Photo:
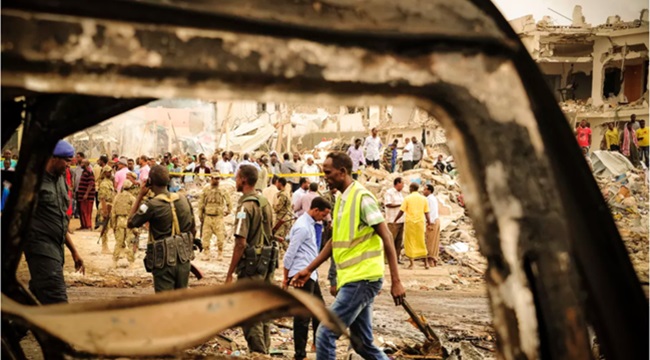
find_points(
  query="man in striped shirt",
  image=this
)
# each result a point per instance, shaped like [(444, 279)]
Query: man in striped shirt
[(86, 195)]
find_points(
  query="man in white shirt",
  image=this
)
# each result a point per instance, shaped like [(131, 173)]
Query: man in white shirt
[(224, 166), (393, 199), (247, 161), (189, 169), (433, 229), (311, 168), (297, 161), (372, 146), (407, 155)]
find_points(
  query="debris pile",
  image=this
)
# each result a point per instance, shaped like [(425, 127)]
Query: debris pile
[(459, 245), (627, 197)]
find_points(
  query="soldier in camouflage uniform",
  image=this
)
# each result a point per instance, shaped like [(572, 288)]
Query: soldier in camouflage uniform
[(106, 195), (119, 217), (135, 190), (283, 213), (214, 203)]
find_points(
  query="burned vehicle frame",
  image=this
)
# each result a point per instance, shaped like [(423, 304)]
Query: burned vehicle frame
[(556, 262)]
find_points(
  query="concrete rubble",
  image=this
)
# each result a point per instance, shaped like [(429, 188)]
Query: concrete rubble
[(627, 196)]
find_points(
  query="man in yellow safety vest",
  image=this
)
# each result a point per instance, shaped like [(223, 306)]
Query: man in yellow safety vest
[(360, 237)]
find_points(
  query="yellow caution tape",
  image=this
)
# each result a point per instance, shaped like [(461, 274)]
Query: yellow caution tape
[(233, 175)]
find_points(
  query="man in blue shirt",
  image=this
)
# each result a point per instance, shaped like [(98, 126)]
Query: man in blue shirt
[(302, 250)]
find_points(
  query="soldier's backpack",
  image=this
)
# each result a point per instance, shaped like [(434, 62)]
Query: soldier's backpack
[(262, 258)]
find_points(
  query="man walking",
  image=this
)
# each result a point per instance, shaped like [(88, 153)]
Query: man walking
[(440, 164), (76, 179), (202, 169), (288, 167), (252, 235), (644, 141), (97, 171), (416, 208), (311, 168), (144, 169), (48, 232), (372, 147), (433, 229), (393, 160), (612, 138), (297, 195), (120, 175), (393, 200), (106, 195), (356, 154), (171, 224), (263, 176), (305, 200), (630, 144), (119, 218), (275, 164), (418, 151), (297, 162), (407, 155), (359, 259), (635, 125), (283, 211), (583, 135), (270, 192), (301, 252), (387, 159), (223, 165), (86, 195), (214, 204)]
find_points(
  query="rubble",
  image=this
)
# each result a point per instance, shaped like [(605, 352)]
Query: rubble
[(627, 197), (458, 242)]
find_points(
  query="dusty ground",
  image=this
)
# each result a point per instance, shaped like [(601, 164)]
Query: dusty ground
[(451, 296), (458, 310)]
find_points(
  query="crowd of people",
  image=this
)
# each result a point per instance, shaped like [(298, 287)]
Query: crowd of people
[(633, 140), (293, 213)]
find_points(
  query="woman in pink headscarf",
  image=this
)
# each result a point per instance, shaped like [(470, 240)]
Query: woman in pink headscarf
[(630, 145)]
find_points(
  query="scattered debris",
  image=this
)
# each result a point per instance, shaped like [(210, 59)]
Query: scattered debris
[(627, 197)]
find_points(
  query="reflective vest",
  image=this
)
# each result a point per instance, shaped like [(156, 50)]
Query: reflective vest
[(358, 254)]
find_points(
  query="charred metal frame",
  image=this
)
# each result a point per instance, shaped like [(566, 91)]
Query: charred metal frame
[(555, 258)]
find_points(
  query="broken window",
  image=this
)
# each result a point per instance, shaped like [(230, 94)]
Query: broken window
[(612, 82), (573, 50), (581, 86), (554, 83)]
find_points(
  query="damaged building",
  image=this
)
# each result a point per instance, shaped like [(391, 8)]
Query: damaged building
[(598, 73)]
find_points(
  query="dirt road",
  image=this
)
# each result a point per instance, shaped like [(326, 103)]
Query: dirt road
[(451, 297)]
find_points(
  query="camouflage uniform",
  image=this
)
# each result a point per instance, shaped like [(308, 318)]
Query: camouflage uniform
[(106, 194), (119, 217), (212, 203), (135, 191), (283, 212)]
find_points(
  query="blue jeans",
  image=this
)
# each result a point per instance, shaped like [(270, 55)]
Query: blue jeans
[(353, 305)]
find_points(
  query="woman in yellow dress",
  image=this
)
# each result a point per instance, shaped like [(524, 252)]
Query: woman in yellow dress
[(416, 208)]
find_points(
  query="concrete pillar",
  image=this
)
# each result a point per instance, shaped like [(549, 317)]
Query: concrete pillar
[(601, 46)]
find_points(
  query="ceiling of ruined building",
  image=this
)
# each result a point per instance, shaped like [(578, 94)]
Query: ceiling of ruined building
[(381, 17)]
